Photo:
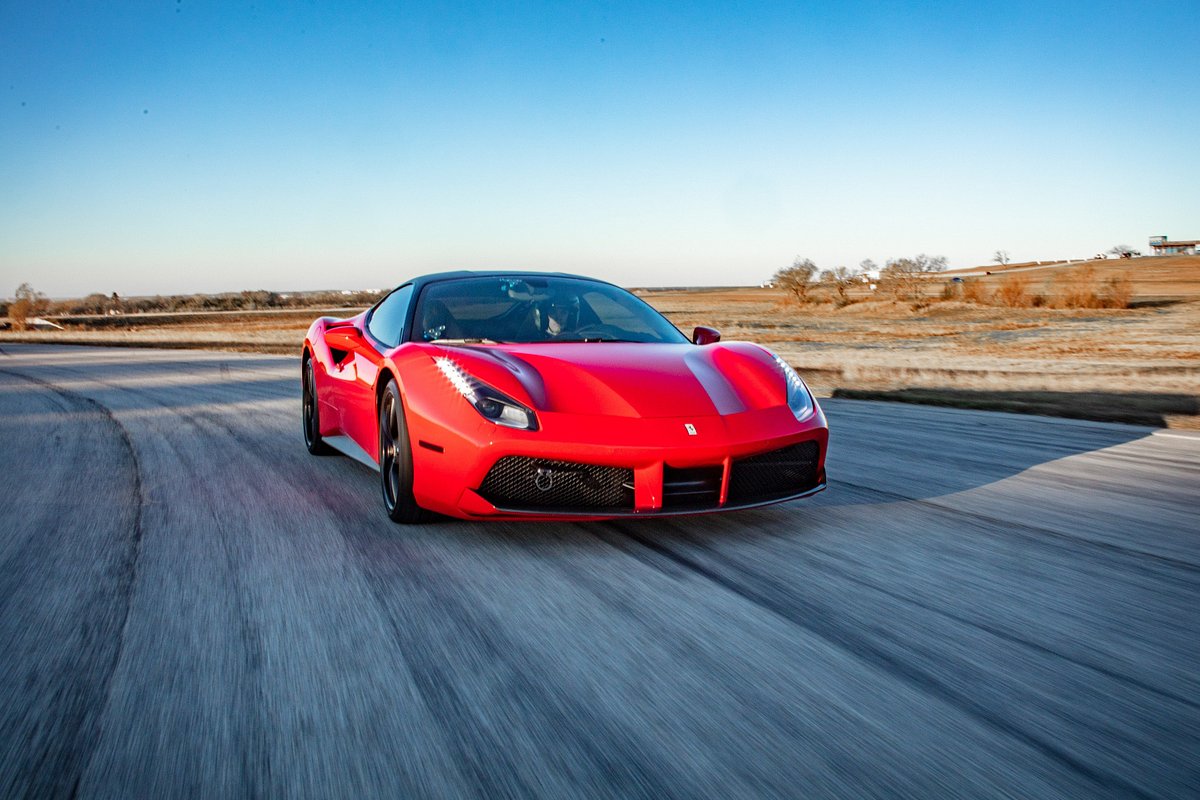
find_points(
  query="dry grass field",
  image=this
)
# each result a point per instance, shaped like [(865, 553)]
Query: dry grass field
[(1155, 278), (1140, 364), (278, 332)]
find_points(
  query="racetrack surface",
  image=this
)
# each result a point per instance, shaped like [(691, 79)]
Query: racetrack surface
[(981, 605)]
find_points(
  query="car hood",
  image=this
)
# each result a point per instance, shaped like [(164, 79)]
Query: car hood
[(632, 380)]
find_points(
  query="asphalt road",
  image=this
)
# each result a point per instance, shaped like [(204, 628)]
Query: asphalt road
[(982, 605)]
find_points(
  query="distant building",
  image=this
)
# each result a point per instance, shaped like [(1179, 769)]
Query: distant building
[(1162, 246)]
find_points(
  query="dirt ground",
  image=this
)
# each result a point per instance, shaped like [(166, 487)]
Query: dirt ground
[(1154, 277)]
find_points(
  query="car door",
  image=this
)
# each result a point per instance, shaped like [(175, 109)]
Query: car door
[(384, 327)]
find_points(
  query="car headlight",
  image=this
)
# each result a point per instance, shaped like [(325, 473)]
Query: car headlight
[(492, 404), (798, 398)]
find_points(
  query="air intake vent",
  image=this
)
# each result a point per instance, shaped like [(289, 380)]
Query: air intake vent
[(521, 482), (778, 473), (693, 487)]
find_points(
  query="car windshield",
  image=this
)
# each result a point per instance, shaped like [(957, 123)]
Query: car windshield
[(536, 309)]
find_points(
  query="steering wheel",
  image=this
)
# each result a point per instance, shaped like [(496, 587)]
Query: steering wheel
[(597, 331)]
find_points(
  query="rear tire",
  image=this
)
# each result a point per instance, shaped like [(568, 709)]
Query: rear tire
[(395, 460), (311, 412)]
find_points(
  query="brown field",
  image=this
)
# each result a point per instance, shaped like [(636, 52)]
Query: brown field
[(987, 355), (273, 331), (1156, 278), (1140, 364)]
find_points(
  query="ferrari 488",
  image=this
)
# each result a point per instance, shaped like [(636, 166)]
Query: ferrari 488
[(503, 394)]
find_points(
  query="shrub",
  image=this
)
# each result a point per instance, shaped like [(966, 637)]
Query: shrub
[(1077, 288), (1117, 291), (1013, 291), (974, 292), (28, 303), (838, 281)]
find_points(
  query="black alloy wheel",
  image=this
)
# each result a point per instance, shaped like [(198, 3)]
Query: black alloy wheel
[(395, 459), (311, 413)]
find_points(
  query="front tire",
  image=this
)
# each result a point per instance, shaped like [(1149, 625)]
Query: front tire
[(395, 459), (311, 412)]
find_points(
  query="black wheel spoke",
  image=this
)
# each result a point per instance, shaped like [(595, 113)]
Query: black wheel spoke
[(308, 404), (310, 410), (394, 481), (393, 426), (387, 455), (395, 459)]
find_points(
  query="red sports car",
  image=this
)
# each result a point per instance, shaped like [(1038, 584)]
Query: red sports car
[(505, 394)]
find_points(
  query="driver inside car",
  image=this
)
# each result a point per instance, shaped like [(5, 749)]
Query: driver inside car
[(555, 316), (561, 314)]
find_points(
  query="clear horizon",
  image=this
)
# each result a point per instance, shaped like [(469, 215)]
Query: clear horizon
[(178, 148)]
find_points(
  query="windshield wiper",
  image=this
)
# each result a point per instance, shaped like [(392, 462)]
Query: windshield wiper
[(466, 341), (596, 339)]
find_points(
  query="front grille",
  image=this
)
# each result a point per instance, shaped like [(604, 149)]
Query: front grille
[(775, 474), (693, 487), (522, 482)]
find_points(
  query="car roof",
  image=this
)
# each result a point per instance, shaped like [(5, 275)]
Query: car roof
[(436, 277)]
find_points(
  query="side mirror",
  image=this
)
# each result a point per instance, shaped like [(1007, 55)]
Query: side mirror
[(344, 338), (703, 334)]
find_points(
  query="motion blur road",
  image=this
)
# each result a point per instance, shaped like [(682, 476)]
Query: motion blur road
[(981, 605)]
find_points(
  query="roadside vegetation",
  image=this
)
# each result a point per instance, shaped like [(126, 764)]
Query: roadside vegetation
[(27, 305), (32, 303), (1112, 339), (1077, 287), (918, 280)]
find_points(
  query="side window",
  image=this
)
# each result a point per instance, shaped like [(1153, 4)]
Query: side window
[(387, 321)]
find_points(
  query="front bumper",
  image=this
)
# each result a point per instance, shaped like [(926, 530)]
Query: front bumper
[(666, 466)]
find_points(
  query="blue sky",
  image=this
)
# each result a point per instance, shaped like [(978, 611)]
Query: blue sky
[(160, 147)]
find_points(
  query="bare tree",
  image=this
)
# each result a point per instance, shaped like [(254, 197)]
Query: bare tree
[(797, 278), (28, 303), (906, 277), (1123, 251), (94, 303), (839, 280), (1001, 257)]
